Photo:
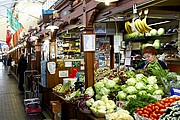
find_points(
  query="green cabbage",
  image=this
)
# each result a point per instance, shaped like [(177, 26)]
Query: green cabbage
[(140, 86), (89, 91), (110, 83), (130, 90), (104, 91), (150, 88), (131, 81), (116, 80), (98, 86), (89, 102), (142, 93), (152, 80), (121, 95), (98, 96), (158, 92), (131, 96), (141, 77)]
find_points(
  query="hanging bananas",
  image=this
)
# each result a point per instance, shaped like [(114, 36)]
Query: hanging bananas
[(139, 26), (147, 28), (128, 27)]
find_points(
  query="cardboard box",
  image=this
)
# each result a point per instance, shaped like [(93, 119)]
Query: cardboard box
[(136, 46)]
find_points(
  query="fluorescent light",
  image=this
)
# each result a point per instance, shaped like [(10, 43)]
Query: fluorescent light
[(158, 23)]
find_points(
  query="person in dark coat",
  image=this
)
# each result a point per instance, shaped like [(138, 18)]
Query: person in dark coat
[(22, 66), (9, 61)]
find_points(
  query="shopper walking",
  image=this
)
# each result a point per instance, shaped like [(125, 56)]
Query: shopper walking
[(9, 60), (22, 66)]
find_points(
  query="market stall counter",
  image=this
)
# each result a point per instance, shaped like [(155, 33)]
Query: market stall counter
[(71, 111)]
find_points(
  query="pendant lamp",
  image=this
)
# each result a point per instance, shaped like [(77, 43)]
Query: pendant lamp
[(107, 2), (52, 27)]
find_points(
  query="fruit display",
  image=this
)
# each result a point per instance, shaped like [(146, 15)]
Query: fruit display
[(63, 89)]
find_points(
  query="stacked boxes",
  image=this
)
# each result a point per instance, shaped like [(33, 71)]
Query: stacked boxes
[(32, 105), (56, 109)]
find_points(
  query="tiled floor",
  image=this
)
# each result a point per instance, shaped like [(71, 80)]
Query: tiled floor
[(11, 100)]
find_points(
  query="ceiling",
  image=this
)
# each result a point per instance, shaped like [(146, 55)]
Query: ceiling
[(27, 11)]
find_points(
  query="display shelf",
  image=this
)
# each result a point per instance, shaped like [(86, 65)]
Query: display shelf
[(146, 38)]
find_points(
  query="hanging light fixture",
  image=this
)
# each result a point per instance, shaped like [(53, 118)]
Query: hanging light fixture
[(52, 28), (107, 2)]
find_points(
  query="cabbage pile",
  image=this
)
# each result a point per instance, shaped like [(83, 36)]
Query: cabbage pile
[(140, 85), (104, 87), (103, 106)]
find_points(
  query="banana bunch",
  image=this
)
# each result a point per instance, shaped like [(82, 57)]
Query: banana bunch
[(141, 25), (147, 28), (128, 27)]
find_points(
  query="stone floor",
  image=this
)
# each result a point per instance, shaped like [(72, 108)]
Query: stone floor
[(11, 100)]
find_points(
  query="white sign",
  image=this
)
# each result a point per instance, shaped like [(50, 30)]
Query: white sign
[(63, 73)]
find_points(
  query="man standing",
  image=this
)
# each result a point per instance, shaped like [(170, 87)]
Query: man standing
[(22, 66)]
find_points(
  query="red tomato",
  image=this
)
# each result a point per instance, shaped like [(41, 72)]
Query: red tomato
[(146, 112), (149, 110), (161, 106), (177, 98), (161, 111), (155, 116), (145, 115), (156, 107), (140, 112)]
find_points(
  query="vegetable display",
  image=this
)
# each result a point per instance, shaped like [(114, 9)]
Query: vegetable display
[(139, 102), (155, 110), (119, 115), (172, 112), (139, 85), (103, 106)]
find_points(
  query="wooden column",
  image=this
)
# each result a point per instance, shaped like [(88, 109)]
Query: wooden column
[(89, 56)]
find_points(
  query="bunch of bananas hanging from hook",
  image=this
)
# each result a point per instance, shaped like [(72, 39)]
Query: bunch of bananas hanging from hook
[(140, 25)]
